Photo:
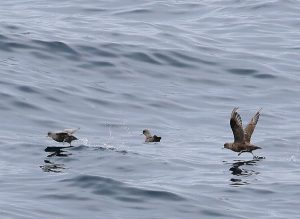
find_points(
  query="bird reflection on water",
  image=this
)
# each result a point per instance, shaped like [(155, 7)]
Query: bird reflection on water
[(240, 173), (52, 167), (57, 151)]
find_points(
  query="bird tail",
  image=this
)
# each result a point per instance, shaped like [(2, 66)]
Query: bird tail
[(156, 138)]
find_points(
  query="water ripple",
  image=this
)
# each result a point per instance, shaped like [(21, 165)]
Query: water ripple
[(170, 60), (143, 57), (242, 71), (57, 47), (119, 190), (96, 51)]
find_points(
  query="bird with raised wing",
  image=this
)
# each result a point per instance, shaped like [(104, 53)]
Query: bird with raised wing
[(149, 137), (242, 137), (63, 136)]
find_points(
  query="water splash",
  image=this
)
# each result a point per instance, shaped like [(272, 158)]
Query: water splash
[(84, 141), (294, 157)]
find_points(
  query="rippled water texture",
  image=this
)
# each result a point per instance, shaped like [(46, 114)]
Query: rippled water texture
[(114, 68)]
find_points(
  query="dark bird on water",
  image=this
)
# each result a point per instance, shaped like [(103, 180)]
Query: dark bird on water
[(149, 137), (63, 136), (242, 136)]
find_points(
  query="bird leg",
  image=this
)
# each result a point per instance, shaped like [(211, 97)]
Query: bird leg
[(242, 152), (254, 156), (257, 157)]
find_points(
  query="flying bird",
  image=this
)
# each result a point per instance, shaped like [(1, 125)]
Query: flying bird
[(63, 136), (242, 137), (149, 137)]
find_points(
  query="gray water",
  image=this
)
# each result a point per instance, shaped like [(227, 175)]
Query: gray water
[(114, 68)]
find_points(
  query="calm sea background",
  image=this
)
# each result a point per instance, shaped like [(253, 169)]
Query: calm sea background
[(114, 68)]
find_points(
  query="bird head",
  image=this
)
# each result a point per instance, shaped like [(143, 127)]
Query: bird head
[(227, 145), (147, 133)]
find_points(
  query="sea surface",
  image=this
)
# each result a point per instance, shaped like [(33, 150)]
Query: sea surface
[(113, 68)]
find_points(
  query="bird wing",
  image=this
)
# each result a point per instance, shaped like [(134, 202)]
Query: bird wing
[(70, 131), (251, 126), (59, 136), (237, 126)]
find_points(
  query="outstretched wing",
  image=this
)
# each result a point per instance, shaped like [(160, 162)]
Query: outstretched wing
[(251, 126), (70, 131), (237, 127)]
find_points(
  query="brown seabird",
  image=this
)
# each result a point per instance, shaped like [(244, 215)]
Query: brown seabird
[(242, 136), (63, 136), (149, 137)]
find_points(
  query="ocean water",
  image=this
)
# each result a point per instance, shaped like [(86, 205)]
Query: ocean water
[(178, 68)]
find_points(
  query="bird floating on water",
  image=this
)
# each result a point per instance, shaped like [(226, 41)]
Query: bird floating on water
[(63, 136), (149, 137), (242, 136)]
